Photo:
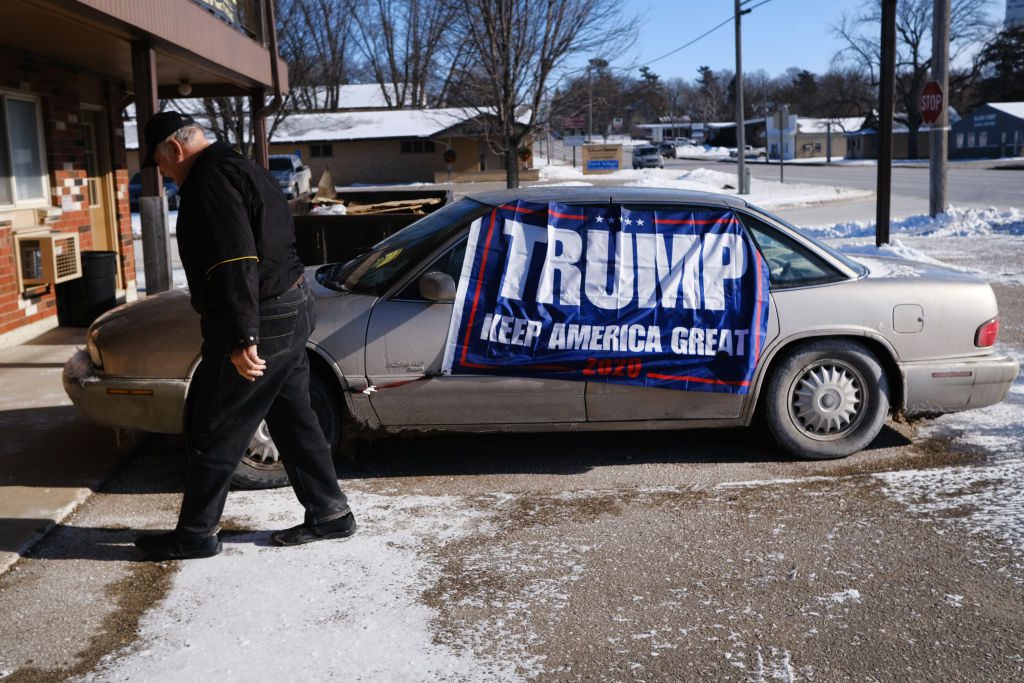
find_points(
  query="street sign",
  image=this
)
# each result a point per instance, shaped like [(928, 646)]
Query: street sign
[(931, 102), (574, 122), (575, 140)]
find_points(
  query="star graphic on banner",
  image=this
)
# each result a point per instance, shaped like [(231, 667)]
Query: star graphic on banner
[(639, 221), (627, 221), (611, 219), (599, 219)]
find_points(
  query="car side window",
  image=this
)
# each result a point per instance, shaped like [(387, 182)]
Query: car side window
[(449, 262), (789, 264)]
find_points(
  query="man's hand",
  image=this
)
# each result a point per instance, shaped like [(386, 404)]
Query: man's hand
[(248, 364)]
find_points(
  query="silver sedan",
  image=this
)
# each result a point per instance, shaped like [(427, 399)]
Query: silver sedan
[(848, 343)]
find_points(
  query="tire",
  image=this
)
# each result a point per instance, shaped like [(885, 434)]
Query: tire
[(826, 400), (261, 466)]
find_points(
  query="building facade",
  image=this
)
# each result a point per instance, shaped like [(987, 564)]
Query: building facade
[(68, 68), (992, 130)]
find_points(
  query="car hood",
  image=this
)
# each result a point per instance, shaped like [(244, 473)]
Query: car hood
[(158, 336)]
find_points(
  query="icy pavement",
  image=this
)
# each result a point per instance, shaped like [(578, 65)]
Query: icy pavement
[(986, 496)]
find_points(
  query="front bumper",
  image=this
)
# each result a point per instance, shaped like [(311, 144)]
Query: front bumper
[(948, 386), (138, 404)]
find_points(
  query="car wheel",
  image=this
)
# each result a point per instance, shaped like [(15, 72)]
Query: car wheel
[(261, 466), (826, 400)]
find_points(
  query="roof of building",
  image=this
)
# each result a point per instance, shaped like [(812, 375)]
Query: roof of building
[(839, 125), (1012, 108), (356, 125), (370, 125)]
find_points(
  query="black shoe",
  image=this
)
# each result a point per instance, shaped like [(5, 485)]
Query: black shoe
[(343, 527), (169, 545)]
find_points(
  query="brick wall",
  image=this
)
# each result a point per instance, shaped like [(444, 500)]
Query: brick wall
[(56, 85)]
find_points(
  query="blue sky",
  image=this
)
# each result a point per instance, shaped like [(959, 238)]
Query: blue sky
[(776, 35)]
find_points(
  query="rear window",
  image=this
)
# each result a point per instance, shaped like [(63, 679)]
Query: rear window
[(790, 264), (280, 164)]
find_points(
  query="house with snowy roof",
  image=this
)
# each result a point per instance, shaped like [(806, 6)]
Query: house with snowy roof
[(863, 143), (382, 145), (992, 130), (393, 145)]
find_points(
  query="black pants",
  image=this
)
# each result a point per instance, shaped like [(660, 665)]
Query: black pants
[(226, 409)]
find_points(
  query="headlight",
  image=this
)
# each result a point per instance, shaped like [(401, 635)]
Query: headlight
[(93, 347)]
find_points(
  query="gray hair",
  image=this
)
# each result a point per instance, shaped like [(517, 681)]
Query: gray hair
[(184, 135)]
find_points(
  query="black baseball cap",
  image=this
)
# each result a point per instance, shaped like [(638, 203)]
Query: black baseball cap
[(159, 128)]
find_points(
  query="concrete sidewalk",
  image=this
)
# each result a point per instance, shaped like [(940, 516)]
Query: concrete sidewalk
[(50, 458)]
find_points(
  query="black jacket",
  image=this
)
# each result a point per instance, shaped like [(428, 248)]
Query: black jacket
[(236, 239)]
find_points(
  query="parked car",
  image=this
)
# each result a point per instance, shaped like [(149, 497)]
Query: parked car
[(294, 178), (647, 156), (750, 152), (846, 345), (135, 191), (667, 149)]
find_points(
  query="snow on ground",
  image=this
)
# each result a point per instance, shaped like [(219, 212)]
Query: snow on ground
[(984, 497), (362, 598), (347, 610), (767, 194)]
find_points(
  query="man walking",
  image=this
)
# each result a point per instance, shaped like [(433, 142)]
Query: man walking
[(236, 239)]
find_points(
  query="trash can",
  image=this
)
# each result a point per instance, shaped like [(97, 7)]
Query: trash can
[(82, 300)]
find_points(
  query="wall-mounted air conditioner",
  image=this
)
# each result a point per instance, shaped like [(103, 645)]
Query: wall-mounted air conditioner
[(48, 256)]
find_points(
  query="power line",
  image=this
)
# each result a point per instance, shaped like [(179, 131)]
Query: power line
[(703, 35)]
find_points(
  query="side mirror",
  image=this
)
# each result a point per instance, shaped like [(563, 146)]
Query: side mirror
[(435, 286)]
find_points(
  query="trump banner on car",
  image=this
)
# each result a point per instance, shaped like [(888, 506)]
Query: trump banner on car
[(674, 298)]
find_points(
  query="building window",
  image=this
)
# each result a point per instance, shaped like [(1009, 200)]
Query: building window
[(321, 151), (970, 139), (22, 168), (417, 146), (983, 139), (959, 140)]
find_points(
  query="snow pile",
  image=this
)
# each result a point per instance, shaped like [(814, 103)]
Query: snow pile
[(768, 194), (955, 223)]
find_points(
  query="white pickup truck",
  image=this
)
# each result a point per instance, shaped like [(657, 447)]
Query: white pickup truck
[(749, 152), (294, 178)]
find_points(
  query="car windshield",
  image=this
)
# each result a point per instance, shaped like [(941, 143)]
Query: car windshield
[(280, 164), (378, 269)]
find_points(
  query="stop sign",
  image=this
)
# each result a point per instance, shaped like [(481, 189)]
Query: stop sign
[(931, 102)]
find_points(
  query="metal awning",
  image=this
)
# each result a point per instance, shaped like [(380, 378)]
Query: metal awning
[(192, 41)]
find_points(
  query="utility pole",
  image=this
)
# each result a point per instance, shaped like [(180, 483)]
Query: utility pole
[(887, 76), (939, 148), (741, 157), (594, 63), (590, 102)]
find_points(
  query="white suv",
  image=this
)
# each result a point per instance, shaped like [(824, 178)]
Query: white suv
[(647, 156)]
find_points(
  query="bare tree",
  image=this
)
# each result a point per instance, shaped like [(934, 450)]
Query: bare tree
[(401, 41), (314, 40), (861, 35), (515, 46)]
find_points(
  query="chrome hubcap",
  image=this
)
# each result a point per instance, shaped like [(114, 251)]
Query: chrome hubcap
[(262, 453), (828, 399)]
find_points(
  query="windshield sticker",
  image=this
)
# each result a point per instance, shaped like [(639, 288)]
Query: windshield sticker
[(386, 259), (673, 299)]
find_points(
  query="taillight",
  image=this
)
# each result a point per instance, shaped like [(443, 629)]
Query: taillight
[(987, 333)]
